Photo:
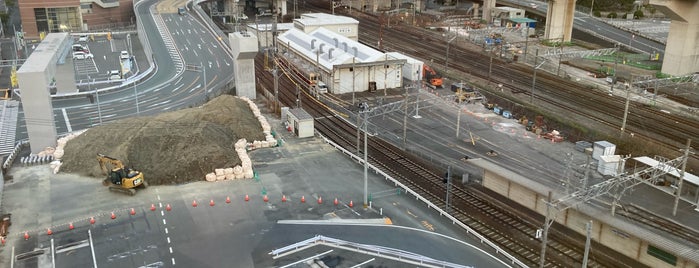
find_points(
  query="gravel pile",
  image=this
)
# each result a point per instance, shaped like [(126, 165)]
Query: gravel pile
[(170, 148)]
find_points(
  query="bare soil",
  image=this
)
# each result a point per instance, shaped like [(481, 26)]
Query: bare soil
[(169, 148)]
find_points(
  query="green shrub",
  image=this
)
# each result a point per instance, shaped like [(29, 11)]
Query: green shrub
[(638, 14), (596, 13), (612, 15)]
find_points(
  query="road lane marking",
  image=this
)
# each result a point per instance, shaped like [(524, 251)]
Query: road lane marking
[(173, 261), (168, 240), (166, 230), (164, 223), (162, 213), (65, 117), (170, 250)]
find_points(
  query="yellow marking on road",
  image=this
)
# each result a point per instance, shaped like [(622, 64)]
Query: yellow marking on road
[(410, 213), (387, 220), (427, 225)]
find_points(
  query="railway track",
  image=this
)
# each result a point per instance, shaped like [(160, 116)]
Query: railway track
[(646, 123), (503, 226)]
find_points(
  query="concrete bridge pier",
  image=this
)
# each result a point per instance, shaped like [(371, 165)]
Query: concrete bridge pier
[(682, 49), (559, 19), (244, 47), (488, 6)]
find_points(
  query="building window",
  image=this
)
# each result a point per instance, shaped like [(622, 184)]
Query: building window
[(662, 255)]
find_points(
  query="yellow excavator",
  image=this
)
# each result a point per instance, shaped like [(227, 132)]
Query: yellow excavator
[(120, 178)]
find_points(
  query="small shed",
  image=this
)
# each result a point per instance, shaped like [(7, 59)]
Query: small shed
[(602, 148), (300, 122), (609, 165)]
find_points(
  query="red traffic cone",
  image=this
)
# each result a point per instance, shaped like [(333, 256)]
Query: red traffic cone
[(228, 199), (247, 198), (351, 204), (303, 199), (194, 203), (211, 203), (320, 200), (70, 226), (92, 220), (133, 211), (168, 207), (113, 216), (283, 198), (26, 235), (266, 199), (152, 207), (48, 231), (335, 201)]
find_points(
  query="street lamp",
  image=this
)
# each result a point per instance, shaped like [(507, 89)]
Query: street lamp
[(446, 61), (364, 109), (97, 96), (135, 93)]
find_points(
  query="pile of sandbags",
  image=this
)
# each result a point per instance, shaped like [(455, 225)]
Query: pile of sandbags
[(266, 128), (243, 171), (58, 153)]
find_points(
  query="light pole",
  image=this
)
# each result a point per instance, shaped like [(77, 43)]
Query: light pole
[(97, 96), (446, 60), (128, 42), (626, 108), (364, 108), (135, 93), (536, 67)]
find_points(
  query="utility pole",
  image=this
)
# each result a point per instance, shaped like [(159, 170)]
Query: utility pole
[(364, 108), (135, 93), (588, 229), (531, 97), (679, 185), (448, 181), (203, 68), (446, 60), (614, 78), (544, 239), (97, 96), (626, 108)]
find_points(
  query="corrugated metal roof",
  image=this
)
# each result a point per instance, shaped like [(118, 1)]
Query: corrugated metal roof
[(320, 19), (300, 42), (689, 177), (300, 114)]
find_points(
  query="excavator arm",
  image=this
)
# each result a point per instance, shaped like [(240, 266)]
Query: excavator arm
[(103, 160)]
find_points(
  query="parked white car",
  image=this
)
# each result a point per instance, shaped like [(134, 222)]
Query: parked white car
[(79, 55), (124, 55), (114, 75), (82, 38)]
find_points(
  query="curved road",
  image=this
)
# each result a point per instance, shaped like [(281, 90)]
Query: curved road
[(167, 88)]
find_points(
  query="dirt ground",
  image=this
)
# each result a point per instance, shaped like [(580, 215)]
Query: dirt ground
[(169, 148)]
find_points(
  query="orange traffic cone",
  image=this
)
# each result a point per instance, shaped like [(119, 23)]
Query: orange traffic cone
[(26, 235), (92, 220), (70, 226), (133, 211), (228, 199), (320, 200), (194, 203), (247, 198), (48, 231), (2, 240), (283, 198), (168, 207), (351, 204), (303, 199), (335, 201), (266, 199), (211, 203), (113, 216), (152, 207)]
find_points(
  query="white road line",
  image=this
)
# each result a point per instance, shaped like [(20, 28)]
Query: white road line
[(164, 223), (178, 87), (166, 230), (65, 117), (170, 250), (195, 88), (173, 261), (162, 213), (168, 240), (158, 197), (92, 249)]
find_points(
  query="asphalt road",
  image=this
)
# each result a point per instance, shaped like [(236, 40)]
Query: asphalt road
[(236, 234)]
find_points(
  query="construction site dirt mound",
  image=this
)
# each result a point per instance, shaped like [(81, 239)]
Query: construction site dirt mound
[(169, 148)]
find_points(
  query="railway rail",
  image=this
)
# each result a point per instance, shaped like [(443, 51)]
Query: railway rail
[(503, 226)]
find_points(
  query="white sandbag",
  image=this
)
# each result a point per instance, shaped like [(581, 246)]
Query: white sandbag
[(256, 144), (219, 171), (237, 170), (230, 176), (58, 154), (220, 177), (249, 175), (239, 176), (210, 177), (227, 171)]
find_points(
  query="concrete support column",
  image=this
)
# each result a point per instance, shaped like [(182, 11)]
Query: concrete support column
[(281, 7), (559, 20), (488, 6), (244, 48), (682, 49)]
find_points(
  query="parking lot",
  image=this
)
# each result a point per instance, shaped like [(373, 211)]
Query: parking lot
[(102, 57)]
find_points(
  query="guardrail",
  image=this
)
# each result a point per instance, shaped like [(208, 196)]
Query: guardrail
[(468, 229)]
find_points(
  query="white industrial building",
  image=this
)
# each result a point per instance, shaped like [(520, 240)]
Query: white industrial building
[(343, 64)]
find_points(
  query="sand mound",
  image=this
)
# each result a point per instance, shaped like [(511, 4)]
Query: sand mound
[(169, 148)]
